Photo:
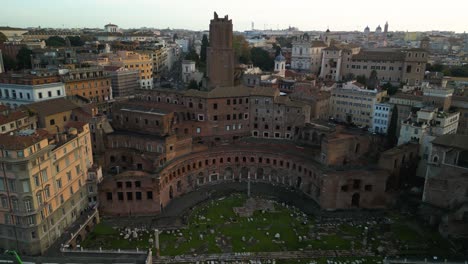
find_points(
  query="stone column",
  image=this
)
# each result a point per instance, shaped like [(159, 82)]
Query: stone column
[(156, 241), (248, 184)]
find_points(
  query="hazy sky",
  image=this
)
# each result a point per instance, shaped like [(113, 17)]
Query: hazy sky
[(411, 15)]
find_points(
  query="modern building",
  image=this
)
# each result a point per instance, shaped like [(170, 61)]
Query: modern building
[(220, 55), (46, 186), (382, 117), (353, 103), (21, 89)]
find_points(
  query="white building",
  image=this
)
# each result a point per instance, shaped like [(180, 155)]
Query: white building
[(280, 65), (381, 119), (428, 124), (14, 95), (111, 28), (190, 72), (307, 55), (184, 44)]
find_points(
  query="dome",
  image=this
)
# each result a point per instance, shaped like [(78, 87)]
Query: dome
[(280, 57), (328, 30), (378, 28)]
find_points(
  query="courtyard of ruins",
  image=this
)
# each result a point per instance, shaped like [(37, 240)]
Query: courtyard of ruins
[(236, 223)]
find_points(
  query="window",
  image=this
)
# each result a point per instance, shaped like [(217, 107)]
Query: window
[(138, 195), (49, 93), (109, 196), (58, 92), (138, 184), (120, 196), (128, 184), (215, 106), (149, 195), (39, 94), (356, 184), (368, 188), (52, 122), (129, 196), (198, 130)]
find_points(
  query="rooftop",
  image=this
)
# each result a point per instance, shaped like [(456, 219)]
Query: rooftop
[(452, 140), (52, 106)]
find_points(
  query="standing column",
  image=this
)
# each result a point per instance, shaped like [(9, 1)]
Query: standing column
[(156, 241), (248, 185)]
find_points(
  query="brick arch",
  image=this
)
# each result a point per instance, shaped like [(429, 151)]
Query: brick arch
[(213, 167)]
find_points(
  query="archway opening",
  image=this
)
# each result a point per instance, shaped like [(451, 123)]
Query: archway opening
[(355, 200)]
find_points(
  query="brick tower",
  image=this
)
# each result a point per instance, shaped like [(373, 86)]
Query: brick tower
[(220, 55)]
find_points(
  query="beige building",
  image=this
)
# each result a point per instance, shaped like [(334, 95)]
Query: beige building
[(353, 103), (392, 65), (132, 61), (45, 189)]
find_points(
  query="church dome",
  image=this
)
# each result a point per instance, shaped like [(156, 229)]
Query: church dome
[(378, 29), (280, 57), (367, 29)]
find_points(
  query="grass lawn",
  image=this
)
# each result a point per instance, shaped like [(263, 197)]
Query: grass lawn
[(214, 228)]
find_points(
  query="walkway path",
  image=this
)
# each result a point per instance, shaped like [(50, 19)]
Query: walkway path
[(309, 254)]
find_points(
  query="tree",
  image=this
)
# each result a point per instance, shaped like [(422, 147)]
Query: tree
[(204, 46), (175, 37), (9, 63), (3, 38), (392, 139), (361, 79), (241, 49), (24, 58), (55, 41), (284, 42), (76, 41), (193, 85), (261, 58), (391, 90), (193, 56), (373, 80)]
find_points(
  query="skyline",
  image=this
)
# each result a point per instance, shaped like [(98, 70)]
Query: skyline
[(196, 15)]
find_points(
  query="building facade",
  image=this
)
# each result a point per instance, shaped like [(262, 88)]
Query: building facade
[(46, 190), (92, 83), (21, 89), (353, 103), (382, 117)]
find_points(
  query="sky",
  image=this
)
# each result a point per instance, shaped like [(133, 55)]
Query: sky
[(337, 15)]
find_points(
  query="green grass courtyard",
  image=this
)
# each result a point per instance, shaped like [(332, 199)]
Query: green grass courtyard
[(214, 227)]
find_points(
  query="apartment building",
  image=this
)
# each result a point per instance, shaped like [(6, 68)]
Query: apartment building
[(353, 103), (21, 89), (45, 189), (92, 83), (124, 82), (132, 61)]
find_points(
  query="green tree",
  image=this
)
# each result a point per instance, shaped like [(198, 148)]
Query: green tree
[(391, 90), (392, 138), (204, 46), (193, 56), (9, 63), (55, 41), (193, 85), (241, 49), (76, 41), (284, 42), (3, 38), (373, 80), (434, 68), (24, 58), (361, 79), (261, 58)]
